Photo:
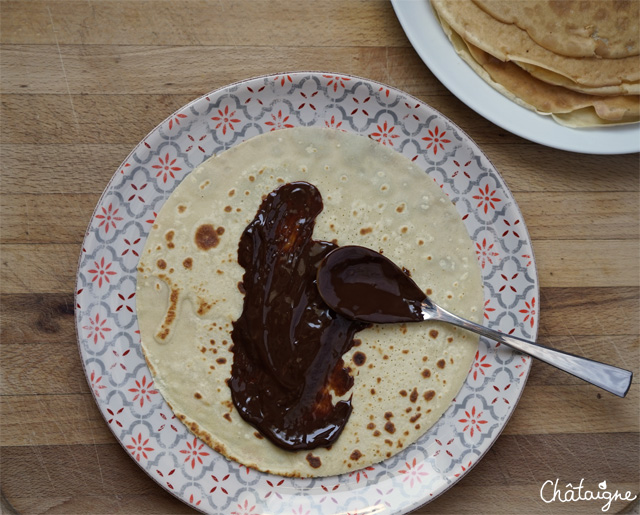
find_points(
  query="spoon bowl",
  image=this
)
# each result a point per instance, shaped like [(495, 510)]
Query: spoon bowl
[(362, 284)]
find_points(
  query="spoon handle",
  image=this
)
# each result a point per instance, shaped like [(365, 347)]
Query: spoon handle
[(612, 379)]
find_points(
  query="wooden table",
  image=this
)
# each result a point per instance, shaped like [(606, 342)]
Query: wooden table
[(84, 82)]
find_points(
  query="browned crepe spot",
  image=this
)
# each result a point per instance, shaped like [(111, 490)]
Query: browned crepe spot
[(208, 237), (314, 461)]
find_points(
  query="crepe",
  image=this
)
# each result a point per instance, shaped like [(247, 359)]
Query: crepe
[(503, 55), (555, 79), (508, 42), (574, 28), (547, 99), (188, 294)]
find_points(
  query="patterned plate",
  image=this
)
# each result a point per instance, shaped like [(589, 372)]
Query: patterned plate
[(106, 305)]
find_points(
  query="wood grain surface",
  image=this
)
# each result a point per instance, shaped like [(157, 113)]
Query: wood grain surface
[(84, 81)]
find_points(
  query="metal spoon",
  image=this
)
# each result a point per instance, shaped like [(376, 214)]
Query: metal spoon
[(362, 284)]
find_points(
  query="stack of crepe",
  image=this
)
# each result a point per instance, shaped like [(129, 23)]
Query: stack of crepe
[(577, 61)]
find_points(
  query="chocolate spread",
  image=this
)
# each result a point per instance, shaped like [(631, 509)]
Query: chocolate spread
[(288, 344)]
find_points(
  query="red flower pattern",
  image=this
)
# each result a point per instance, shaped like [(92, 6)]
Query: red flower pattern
[(383, 499), (113, 416), (143, 391), (478, 365), (332, 123), (194, 452), (153, 219), (140, 448), (108, 218), (364, 112), (164, 417), (166, 168), (412, 115), (530, 311), (485, 252), (465, 173), (511, 228), (507, 281), (168, 474), (361, 473), (117, 355), (447, 451), (191, 500), (131, 247), (487, 309), (273, 485), (384, 134), (101, 272), (306, 98), (436, 140), (95, 383), (245, 509), (463, 469), (473, 421), (487, 198), (335, 81), (97, 328), (329, 490), (283, 79), (137, 192), (192, 139), (501, 391), (260, 89), (413, 472), (441, 187), (124, 304), (279, 121), (522, 365), (176, 119), (222, 488), (225, 119)]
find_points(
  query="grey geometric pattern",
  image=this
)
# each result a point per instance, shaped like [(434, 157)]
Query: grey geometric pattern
[(106, 315)]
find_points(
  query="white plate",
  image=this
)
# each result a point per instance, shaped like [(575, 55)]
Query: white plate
[(107, 328), (432, 45)]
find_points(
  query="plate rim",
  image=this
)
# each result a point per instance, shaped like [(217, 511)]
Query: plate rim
[(424, 501)]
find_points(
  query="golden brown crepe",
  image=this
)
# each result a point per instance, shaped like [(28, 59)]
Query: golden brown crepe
[(494, 50), (405, 376), (548, 99), (555, 79), (574, 28), (507, 42)]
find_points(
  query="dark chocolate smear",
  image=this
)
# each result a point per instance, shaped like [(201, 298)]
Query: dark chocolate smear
[(288, 344)]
